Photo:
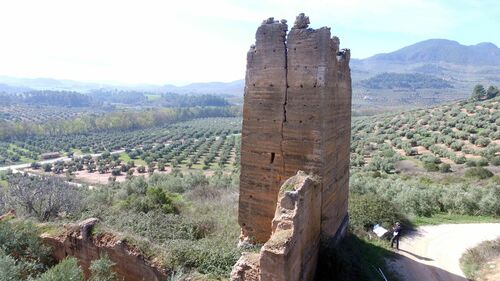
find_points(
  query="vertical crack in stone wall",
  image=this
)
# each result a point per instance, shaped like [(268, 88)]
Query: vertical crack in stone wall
[(296, 116), (262, 159), (285, 100)]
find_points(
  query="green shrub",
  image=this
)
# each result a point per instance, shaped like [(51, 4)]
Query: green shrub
[(457, 145), (459, 160), (421, 201), (445, 168), (101, 270), (489, 203), (495, 161), (481, 162), (431, 167), (482, 142), (10, 270), (471, 163), (478, 172), (21, 240), (366, 210), (213, 256), (156, 198), (66, 270)]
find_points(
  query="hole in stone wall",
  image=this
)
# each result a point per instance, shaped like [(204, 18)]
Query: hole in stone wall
[(272, 157), (302, 86)]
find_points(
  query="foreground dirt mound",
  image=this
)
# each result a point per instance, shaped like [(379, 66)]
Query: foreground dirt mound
[(77, 241)]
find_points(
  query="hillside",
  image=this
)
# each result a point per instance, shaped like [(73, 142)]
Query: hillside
[(451, 138), (405, 81), (422, 74), (20, 85), (457, 65), (443, 51)]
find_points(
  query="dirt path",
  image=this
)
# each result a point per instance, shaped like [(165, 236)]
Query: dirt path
[(433, 252)]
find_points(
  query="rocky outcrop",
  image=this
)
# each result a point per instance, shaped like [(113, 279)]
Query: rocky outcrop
[(78, 242), (247, 268), (291, 253), (296, 116)]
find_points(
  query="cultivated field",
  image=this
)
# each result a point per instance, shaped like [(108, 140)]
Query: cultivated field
[(447, 139)]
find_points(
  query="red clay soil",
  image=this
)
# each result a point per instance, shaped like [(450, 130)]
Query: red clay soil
[(130, 263)]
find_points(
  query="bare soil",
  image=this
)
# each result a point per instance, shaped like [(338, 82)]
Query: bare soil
[(433, 252)]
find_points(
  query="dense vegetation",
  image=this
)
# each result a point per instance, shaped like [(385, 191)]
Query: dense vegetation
[(115, 121), (156, 99), (185, 221), (479, 93), (404, 81), (48, 98), (43, 114)]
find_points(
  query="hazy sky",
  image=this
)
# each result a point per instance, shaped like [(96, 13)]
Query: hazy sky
[(153, 41)]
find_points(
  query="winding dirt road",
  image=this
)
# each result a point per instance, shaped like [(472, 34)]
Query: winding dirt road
[(433, 252)]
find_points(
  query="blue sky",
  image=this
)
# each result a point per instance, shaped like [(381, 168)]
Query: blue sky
[(163, 41)]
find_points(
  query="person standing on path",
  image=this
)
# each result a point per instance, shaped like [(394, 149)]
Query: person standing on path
[(396, 233)]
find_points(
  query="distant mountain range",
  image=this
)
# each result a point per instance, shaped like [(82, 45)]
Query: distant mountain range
[(377, 80), (425, 73), (13, 85), (442, 51), (231, 88)]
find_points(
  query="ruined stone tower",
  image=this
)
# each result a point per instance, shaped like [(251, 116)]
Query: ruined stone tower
[(296, 116)]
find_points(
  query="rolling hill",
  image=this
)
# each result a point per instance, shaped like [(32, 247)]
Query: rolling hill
[(444, 139), (431, 65), (443, 51), (425, 73)]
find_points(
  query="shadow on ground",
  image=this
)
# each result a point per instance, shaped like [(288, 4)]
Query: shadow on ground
[(356, 259)]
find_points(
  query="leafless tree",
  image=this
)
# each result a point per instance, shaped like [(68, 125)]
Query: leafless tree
[(42, 197)]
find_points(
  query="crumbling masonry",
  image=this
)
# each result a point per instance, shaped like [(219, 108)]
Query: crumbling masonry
[(296, 117)]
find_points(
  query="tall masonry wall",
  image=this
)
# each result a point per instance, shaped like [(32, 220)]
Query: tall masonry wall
[(296, 116)]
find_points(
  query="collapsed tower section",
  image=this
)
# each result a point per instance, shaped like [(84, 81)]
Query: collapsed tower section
[(296, 116)]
